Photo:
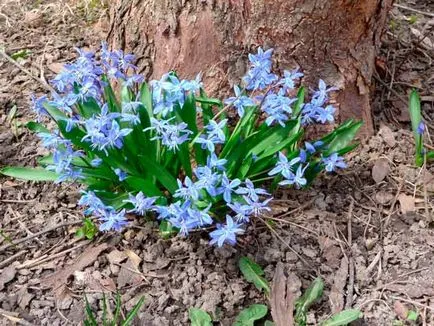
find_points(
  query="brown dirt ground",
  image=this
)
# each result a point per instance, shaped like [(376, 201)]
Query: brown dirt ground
[(388, 239)]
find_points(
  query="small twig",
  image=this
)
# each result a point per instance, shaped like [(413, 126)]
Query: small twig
[(413, 303), (350, 287), (14, 243), (12, 258), (283, 241), (27, 72), (414, 10)]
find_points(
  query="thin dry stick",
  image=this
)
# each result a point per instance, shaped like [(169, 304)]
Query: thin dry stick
[(429, 14), (413, 302), (350, 288), (46, 258), (283, 241), (14, 243), (27, 72), (12, 258)]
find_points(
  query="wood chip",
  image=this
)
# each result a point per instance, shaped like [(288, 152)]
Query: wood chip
[(387, 134), (407, 203), (7, 275), (336, 297), (380, 170), (282, 299)]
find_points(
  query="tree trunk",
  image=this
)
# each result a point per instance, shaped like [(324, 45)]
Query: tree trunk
[(335, 40)]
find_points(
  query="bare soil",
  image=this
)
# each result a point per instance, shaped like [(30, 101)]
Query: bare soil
[(377, 257)]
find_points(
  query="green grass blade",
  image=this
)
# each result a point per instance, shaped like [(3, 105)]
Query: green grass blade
[(31, 174), (343, 318), (129, 318)]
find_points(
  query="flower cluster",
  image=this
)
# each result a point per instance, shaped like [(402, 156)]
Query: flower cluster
[(166, 150)]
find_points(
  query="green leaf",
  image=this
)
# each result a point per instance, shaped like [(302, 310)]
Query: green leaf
[(412, 315), (167, 230), (416, 119), (343, 318), (198, 317), (144, 185), (129, 318), (161, 174), (146, 98), (32, 174), (248, 316), (91, 320), (430, 155), (312, 294), (343, 138), (300, 101), (21, 54), (209, 101), (269, 323), (36, 127), (253, 273)]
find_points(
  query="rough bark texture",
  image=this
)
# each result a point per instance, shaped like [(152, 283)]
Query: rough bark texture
[(335, 40)]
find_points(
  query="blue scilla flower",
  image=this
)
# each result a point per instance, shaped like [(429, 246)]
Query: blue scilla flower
[(134, 79), (63, 103), (72, 122), (200, 217), (171, 135), (325, 114), (284, 166), (62, 159), (192, 85), (250, 191), (213, 162), (288, 79), (141, 203), (321, 95), (420, 128), (227, 187), (88, 89), (96, 162), (131, 106), (131, 118), (333, 162), (257, 207), (278, 108), (215, 130), (297, 179), (188, 190), (37, 106), (94, 204), (226, 233), (259, 76), (122, 175), (239, 101), (52, 140), (112, 220), (242, 211), (207, 178)]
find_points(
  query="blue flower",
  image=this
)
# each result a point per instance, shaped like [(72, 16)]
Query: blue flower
[(250, 191), (420, 128), (240, 102), (242, 211), (207, 179), (112, 220), (283, 166), (277, 107), (215, 130), (53, 140), (63, 103), (96, 162), (288, 81), (259, 76), (122, 175), (326, 114), (227, 187), (38, 106), (71, 123), (333, 162), (200, 217), (189, 190), (192, 85), (321, 95), (171, 135), (226, 233), (257, 207), (213, 161), (141, 203)]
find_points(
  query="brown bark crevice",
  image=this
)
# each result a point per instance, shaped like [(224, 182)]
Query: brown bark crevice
[(334, 40)]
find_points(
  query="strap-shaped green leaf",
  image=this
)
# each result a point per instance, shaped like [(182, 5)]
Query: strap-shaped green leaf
[(343, 137), (248, 316), (199, 317), (36, 127), (253, 273), (343, 318), (31, 174)]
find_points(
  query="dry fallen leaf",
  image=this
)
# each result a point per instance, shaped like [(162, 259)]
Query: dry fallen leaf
[(387, 135), (7, 275), (336, 297), (400, 310), (380, 170), (282, 299), (129, 273), (383, 197), (407, 203)]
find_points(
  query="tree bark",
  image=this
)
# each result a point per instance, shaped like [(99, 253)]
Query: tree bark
[(335, 40)]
